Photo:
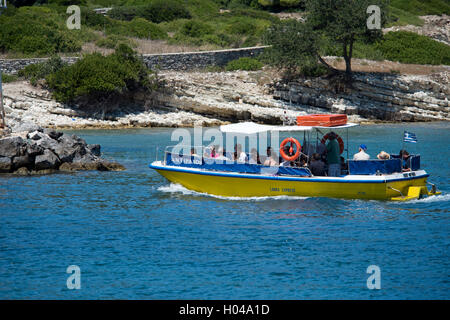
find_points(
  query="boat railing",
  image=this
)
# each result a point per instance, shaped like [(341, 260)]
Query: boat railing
[(204, 161), (377, 166)]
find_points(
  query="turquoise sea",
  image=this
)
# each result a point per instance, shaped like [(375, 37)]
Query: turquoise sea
[(136, 236)]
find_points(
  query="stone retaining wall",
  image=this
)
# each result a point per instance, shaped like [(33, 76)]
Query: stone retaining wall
[(168, 61)]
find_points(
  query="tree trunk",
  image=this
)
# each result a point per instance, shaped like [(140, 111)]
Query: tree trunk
[(333, 70), (348, 60)]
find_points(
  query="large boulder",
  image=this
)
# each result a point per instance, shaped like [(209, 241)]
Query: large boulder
[(53, 134), (48, 160), (99, 165), (22, 172), (22, 161), (94, 149), (86, 158), (5, 164), (68, 153), (35, 135), (12, 146), (33, 149), (47, 143), (69, 141), (110, 166)]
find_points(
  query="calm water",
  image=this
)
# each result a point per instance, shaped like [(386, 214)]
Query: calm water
[(135, 236)]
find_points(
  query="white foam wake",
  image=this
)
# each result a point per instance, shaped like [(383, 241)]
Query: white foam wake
[(439, 198), (177, 188)]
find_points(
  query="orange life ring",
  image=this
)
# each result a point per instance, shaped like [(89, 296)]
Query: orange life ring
[(339, 139), (291, 149)]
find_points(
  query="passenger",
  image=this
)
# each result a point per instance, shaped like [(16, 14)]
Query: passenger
[(333, 160), (302, 161), (404, 155), (322, 150), (213, 152), (361, 155), (383, 156), (270, 160), (239, 155), (254, 157), (221, 155), (193, 154), (317, 166)]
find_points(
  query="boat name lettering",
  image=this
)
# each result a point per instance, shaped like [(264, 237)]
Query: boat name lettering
[(276, 189)]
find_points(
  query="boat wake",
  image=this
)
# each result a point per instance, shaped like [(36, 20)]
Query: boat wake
[(439, 198), (177, 188)]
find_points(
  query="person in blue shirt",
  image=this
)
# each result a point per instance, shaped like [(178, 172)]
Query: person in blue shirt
[(404, 155)]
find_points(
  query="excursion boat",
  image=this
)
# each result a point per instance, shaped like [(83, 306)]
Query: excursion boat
[(362, 179)]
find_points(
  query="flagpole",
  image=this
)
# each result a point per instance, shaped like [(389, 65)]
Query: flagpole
[(403, 140)]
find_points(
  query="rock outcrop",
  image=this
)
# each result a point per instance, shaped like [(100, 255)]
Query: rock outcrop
[(379, 97), (214, 98), (44, 151)]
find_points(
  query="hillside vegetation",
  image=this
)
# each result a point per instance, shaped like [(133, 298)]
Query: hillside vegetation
[(38, 28)]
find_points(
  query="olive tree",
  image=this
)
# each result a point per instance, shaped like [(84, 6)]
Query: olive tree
[(328, 22)]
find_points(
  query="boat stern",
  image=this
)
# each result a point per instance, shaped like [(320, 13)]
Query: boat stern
[(411, 189)]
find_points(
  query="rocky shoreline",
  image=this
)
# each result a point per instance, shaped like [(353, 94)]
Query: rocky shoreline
[(199, 98), (30, 150)]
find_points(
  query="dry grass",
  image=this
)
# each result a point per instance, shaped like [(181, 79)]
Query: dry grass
[(363, 65)]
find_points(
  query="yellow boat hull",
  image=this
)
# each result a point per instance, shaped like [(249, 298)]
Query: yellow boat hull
[(250, 185)]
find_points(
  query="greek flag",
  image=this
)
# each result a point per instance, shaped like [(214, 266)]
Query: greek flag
[(409, 137)]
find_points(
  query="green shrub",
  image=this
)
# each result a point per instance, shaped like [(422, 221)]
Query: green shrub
[(245, 63), (165, 10), (157, 11), (125, 13), (38, 31), (138, 27), (242, 27), (7, 78), (399, 17), (422, 7), (195, 29), (409, 47), (37, 71), (367, 51), (93, 19), (96, 77), (313, 70), (113, 41)]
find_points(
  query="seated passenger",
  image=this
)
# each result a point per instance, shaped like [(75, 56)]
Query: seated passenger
[(317, 166), (254, 157), (404, 155), (302, 161), (213, 153), (239, 155), (383, 156), (220, 155), (193, 154), (270, 160), (361, 155)]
